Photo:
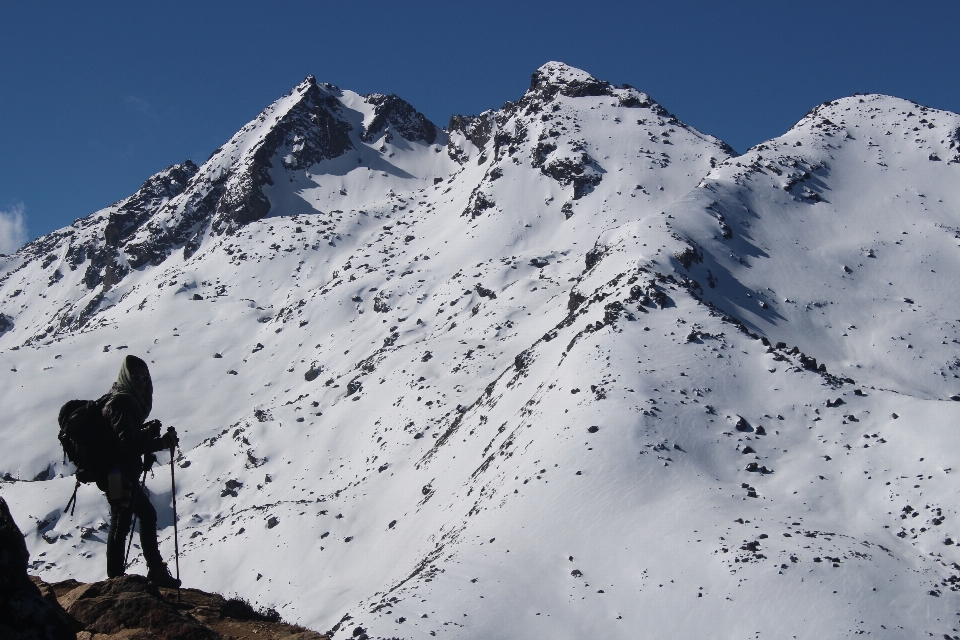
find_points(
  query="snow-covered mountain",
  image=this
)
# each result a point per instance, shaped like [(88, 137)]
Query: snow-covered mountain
[(566, 368)]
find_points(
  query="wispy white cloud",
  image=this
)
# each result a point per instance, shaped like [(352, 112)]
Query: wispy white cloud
[(13, 229), (141, 106)]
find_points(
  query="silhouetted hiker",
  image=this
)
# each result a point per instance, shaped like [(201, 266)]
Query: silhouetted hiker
[(125, 408)]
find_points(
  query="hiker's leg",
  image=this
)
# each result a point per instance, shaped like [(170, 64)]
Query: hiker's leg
[(140, 504), (120, 517)]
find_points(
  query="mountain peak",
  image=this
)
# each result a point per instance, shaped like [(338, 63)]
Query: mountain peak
[(557, 77), (309, 83), (562, 72)]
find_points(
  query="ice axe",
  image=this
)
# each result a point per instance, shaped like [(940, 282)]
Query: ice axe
[(173, 491)]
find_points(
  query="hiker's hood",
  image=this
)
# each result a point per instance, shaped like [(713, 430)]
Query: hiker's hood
[(125, 385)]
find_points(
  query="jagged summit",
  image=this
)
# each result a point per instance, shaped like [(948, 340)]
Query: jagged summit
[(542, 131), (560, 73), (306, 83), (310, 83), (393, 115), (555, 78)]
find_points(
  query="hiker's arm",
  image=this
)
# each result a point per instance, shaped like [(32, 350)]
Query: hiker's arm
[(151, 433), (134, 438), (158, 444)]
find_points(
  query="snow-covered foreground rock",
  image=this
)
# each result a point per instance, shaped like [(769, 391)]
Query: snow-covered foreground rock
[(512, 378)]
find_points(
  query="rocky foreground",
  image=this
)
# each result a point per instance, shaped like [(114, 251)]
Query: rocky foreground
[(133, 609), (128, 607)]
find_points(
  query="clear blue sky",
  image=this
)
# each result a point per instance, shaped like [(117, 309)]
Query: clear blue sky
[(97, 96)]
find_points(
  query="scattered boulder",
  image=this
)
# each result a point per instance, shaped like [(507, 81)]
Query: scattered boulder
[(380, 302), (230, 488), (5, 324), (354, 386), (688, 256), (593, 257), (483, 292), (576, 299), (753, 467)]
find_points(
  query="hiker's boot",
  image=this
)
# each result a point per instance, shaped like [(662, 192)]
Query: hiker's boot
[(160, 576), (115, 567)]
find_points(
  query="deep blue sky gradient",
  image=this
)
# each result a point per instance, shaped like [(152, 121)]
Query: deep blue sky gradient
[(97, 96)]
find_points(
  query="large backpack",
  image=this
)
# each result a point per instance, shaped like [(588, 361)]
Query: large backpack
[(87, 438)]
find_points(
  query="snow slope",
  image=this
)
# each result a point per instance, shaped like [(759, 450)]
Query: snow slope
[(846, 229), (507, 379)]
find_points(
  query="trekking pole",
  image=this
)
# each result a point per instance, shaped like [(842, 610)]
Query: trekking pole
[(133, 526), (73, 499), (173, 491)]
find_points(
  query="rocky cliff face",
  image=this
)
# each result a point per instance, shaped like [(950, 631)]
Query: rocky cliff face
[(102, 242), (103, 262), (392, 115)]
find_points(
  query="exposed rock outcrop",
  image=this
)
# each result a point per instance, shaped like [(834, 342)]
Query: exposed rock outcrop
[(130, 608), (105, 263), (393, 115)]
